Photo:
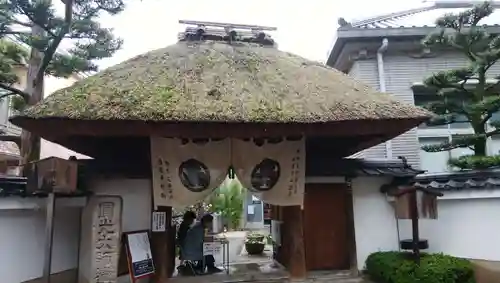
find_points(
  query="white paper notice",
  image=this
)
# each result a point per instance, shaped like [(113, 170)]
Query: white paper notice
[(251, 209), (159, 220), (211, 248)]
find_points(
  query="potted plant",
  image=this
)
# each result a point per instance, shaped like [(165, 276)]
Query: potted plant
[(255, 243)]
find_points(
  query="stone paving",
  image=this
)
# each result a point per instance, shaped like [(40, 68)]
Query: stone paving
[(259, 268), (259, 277)]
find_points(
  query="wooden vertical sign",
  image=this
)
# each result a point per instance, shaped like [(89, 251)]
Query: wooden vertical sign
[(163, 250)]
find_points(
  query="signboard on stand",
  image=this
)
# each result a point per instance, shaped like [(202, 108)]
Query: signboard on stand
[(139, 255), (212, 248)]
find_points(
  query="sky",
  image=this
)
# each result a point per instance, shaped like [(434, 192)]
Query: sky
[(304, 27)]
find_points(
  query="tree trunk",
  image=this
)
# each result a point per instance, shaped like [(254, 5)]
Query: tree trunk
[(480, 147), (30, 144), (480, 143)]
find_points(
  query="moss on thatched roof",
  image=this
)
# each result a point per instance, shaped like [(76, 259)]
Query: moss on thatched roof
[(221, 82)]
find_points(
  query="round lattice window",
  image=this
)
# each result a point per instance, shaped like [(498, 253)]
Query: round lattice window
[(265, 175), (194, 175)]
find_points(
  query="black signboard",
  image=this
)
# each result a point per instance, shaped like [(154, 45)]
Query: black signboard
[(142, 268)]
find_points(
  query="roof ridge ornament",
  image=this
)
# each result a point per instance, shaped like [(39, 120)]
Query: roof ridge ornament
[(228, 32)]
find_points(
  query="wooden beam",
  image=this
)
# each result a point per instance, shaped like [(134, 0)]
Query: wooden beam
[(297, 262), (162, 249), (50, 128)]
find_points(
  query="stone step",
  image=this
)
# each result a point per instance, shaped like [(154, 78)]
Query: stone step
[(266, 278)]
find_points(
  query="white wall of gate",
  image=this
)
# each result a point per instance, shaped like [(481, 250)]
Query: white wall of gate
[(22, 238), (22, 229), (467, 224)]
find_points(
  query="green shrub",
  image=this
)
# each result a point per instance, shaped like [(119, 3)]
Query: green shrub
[(397, 267)]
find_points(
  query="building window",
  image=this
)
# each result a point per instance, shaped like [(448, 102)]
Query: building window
[(461, 151), (423, 99), (423, 96), (494, 146), (495, 117), (435, 162)]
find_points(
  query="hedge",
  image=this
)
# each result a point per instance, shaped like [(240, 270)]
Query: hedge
[(398, 267)]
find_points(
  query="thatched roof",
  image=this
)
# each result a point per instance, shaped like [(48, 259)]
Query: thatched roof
[(210, 81)]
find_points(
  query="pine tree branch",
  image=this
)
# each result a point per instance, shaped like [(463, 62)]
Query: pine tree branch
[(51, 50), (467, 141), (7, 95), (13, 20), (493, 86), (493, 133), (14, 33), (488, 106), (35, 21), (14, 91), (486, 118)]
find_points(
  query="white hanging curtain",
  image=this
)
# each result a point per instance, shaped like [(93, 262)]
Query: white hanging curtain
[(274, 171), (185, 172)]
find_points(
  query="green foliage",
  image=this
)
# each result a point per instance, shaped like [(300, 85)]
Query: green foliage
[(258, 238), (466, 94), (397, 267), (475, 162), (10, 55), (78, 30), (17, 103), (228, 201)]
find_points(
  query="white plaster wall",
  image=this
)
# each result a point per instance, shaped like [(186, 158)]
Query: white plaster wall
[(374, 222), (466, 228), (22, 242), (136, 195), (467, 224), (48, 149), (22, 232)]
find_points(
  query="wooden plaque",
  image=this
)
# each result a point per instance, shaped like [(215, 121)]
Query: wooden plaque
[(53, 174)]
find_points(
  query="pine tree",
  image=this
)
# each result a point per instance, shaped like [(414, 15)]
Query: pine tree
[(33, 33), (467, 92)]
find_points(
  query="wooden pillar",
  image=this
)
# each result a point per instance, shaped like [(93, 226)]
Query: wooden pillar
[(351, 232), (162, 249), (297, 263), (49, 236)]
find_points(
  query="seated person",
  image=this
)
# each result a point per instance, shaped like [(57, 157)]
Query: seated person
[(193, 246)]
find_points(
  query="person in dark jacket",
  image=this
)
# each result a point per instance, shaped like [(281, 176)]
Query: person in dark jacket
[(193, 248), (187, 220)]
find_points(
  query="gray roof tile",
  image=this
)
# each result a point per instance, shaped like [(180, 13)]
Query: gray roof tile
[(463, 180), (424, 16)]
